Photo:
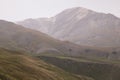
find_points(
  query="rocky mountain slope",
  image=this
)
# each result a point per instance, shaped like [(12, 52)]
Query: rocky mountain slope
[(81, 26)]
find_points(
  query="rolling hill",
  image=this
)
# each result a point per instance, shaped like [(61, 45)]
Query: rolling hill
[(81, 26), (13, 36), (19, 66)]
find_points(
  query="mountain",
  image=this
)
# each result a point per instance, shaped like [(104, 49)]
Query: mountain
[(16, 37), (81, 26), (19, 66)]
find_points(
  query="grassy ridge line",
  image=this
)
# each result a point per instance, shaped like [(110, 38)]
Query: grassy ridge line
[(82, 59), (96, 70)]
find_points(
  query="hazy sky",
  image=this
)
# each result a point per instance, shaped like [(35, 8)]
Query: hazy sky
[(15, 10)]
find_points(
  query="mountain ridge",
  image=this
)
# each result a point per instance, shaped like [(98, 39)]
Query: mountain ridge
[(16, 37), (81, 26)]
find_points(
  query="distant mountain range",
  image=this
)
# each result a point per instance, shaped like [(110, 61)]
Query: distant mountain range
[(81, 26)]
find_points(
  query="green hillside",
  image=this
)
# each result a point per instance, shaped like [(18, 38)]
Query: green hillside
[(18, 66)]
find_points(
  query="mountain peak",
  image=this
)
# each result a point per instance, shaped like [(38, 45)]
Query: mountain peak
[(78, 8), (76, 12)]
